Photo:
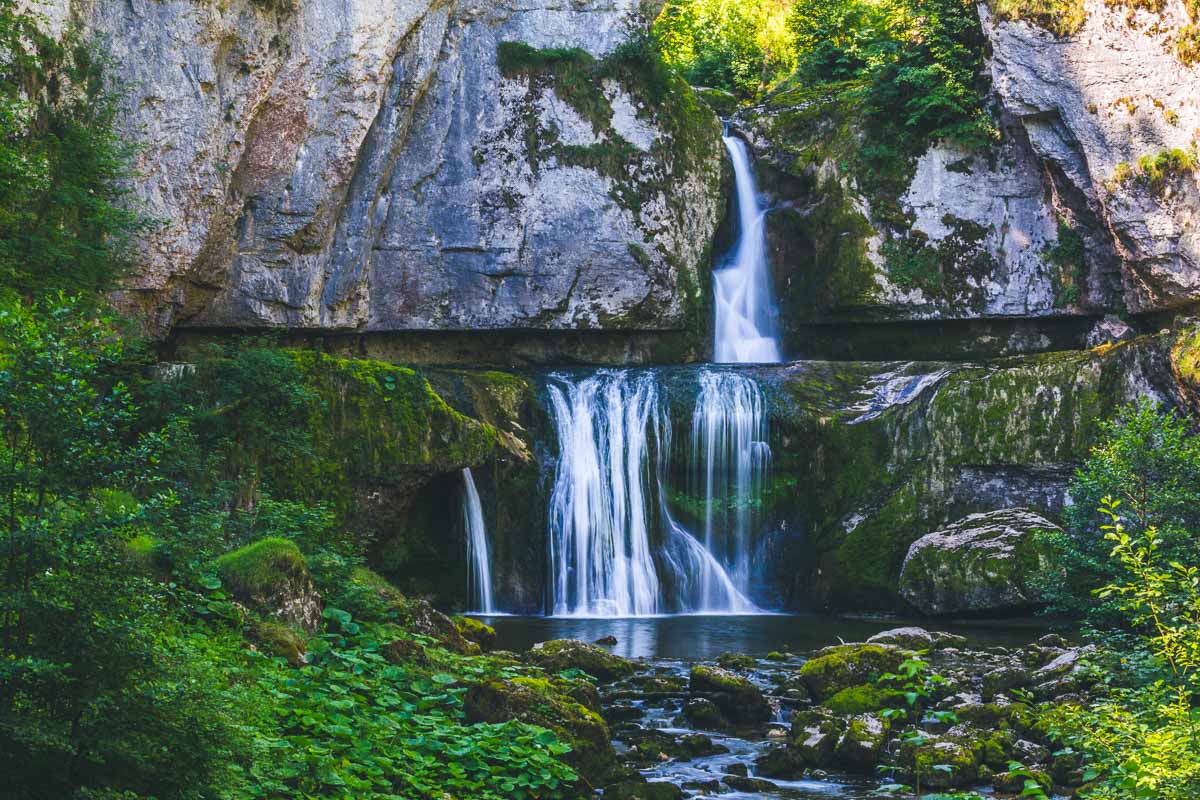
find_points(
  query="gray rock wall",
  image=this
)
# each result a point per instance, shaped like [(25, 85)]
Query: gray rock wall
[(362, 165)]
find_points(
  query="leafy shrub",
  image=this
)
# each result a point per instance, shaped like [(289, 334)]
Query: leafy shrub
[(64, 222), (1142, 738), (1150, 460)]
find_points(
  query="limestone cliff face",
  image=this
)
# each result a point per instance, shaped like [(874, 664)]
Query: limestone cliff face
[(1093, 105), (1056, 223), (364, 165)]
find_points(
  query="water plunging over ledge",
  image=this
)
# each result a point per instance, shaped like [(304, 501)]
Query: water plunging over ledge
[(478, 556), (615, 548), (745, 328)]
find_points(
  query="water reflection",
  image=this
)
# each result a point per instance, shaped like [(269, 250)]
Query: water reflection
[(703, 637)]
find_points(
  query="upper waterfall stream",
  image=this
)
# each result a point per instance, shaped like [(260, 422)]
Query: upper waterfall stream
[(478, 555), (745, 325)]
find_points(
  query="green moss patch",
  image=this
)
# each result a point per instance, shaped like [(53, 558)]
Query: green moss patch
[(261, 568)]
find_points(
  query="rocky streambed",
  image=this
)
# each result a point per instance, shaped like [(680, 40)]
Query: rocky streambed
[(962, 715)]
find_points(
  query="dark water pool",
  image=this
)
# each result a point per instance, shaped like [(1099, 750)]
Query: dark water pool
[(702, 638)]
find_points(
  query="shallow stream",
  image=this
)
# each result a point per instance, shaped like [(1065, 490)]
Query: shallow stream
[(649, 710)]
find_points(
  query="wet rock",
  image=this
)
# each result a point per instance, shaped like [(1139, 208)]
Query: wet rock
[(981, 563), (840, 667), (561, 654), (643, 790), (815, 735), (704, 713), (914, 638), (474, 630), (783, 763), (403, 651), (957, 764), (704, 787), (739, 700), (739, 769), (699, 745), (1053, 640), (1003, 679), (421, 617), (736, 661), (607, 641), (862, 744), (742, 783), (1017, 781)]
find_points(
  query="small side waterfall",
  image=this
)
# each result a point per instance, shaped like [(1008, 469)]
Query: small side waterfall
[(730, 457), (745, 330), (613, 435), (478, 557)]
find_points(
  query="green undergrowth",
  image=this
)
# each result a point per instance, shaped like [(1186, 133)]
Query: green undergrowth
[(1155, 170)]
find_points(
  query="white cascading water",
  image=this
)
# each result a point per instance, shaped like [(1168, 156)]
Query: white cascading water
[(745, 311), (730, 457), (601, 559), (478, 557)]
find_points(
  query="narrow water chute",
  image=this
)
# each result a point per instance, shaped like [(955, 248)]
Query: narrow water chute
[(745, 326), (479, 557)]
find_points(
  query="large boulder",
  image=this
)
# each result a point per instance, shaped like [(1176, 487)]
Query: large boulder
[(553, 704), (841, 667), (271, 576), (739, 700), (983, 563), (560, 654)]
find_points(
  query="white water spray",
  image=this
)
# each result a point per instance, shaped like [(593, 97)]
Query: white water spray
[(610, 425), (730, 458), (478, 557), (745, 311)]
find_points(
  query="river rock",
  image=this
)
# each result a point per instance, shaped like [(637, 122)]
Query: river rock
[(983, 563), (560, 654), (739, 700), (843, 666), (914, 638), (861, 745)]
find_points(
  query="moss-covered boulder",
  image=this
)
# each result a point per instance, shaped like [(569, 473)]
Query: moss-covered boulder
[(914, 638), (705, 714), (862, 744), (278, 639), (815, 736), (862, 699), (550, 704), (983, 563), (473, 630), (271, 576), (739, 699), (561, 654), (834, 669)]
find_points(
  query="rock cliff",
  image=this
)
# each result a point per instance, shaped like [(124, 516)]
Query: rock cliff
[(1084, 205), (369, 166)]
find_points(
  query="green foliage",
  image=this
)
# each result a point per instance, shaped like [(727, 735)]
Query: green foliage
[(1069, 256), (1150, 460), (354, 725), (916, 70), (741, 46), (1155, 169), (64, 222), (1142, 739)]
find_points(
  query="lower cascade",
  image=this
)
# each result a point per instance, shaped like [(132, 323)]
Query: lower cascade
[(615, 549), (479, 562)]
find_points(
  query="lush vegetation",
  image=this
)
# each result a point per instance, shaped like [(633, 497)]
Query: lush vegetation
[(1130, 551), (139, 532)]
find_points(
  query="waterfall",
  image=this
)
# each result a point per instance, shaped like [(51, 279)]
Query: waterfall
[(745, 310), (599, 530), (730, 457), (478, 558), (610, 426)]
